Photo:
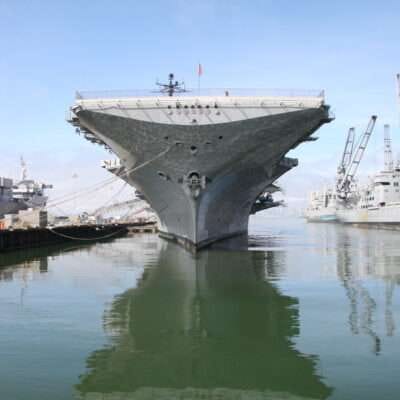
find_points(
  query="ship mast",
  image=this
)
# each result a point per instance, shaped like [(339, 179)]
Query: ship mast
[(24, 171), (398, 98), (388, 149)]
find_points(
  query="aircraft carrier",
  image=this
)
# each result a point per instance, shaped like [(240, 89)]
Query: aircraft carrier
[(202, 159)]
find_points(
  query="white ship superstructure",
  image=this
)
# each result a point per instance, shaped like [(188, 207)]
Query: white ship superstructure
[(323, 206), (201, 161), (378, 202)]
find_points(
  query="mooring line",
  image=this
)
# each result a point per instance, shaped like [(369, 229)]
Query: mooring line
[(84, 239)]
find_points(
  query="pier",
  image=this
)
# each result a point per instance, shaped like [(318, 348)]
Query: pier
[(26, 238)]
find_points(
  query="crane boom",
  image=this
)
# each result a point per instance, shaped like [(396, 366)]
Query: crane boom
[(348, 151), (343, 187)]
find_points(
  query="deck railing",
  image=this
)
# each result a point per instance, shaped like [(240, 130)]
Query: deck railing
[(216, 92)]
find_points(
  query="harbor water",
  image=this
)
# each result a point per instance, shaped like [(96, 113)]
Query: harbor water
[(306, 311)]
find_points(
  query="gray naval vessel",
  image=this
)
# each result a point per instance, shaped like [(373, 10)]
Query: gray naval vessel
[(202, 159), (21, 195)]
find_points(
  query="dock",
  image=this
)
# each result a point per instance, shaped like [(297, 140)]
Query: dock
[(14, 239)]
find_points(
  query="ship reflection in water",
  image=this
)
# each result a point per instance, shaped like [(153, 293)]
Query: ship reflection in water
[(310, 312), (204, 327)]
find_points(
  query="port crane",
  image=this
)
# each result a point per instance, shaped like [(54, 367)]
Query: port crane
[(351, 159)]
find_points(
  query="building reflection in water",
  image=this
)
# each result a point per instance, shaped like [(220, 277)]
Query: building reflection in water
[(27, 264), (208, 326), (32, 261), (22, 263), (24, 272)]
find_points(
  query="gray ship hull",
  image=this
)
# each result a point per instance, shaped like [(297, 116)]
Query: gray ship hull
[(202, 179)]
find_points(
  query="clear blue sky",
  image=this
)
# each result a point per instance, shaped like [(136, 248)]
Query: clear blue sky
[(49, 49)]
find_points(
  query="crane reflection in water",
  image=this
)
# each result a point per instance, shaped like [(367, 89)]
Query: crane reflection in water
[(359, 254)]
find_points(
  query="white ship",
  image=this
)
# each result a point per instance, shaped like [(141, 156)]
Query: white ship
[(22, 195), (377, 202), (201, 161)]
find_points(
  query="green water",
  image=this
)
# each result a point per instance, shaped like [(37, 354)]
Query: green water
[(308, 312)]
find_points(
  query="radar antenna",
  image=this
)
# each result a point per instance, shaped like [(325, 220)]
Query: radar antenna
[(172, 86), (344, 185)]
